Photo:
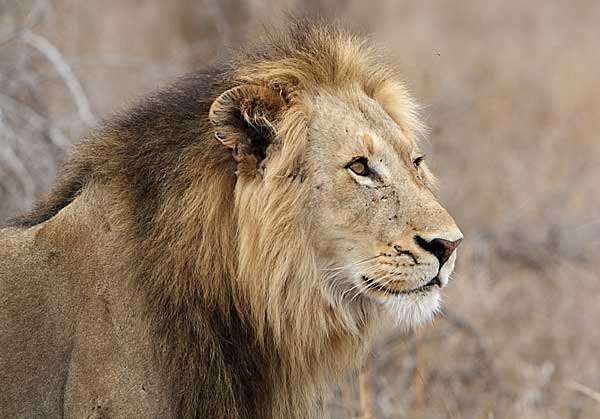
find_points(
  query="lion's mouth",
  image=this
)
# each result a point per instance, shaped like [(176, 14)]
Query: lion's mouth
[(372, 285)]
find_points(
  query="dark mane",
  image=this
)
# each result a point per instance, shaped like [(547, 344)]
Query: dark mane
[(144, 142)]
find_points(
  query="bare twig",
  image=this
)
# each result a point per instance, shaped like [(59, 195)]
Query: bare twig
[(23, 111), (12, 161), (365, 394), (419, 379), (33, 18), (580, 388), (35, 120), (462, 323), (64, 70)]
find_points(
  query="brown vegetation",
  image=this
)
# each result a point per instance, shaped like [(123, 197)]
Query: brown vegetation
[(513, 102)]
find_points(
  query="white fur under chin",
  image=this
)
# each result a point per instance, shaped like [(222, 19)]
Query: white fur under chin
[(411, 311)]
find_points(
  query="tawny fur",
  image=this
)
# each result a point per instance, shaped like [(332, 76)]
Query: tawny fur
[(217, 261)]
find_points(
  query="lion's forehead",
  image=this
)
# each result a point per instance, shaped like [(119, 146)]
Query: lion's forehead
[(353, 122)]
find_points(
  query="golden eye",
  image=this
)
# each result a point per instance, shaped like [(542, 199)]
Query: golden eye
[(359, 166), (417, 162)]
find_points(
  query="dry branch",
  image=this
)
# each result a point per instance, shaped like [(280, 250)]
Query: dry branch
[(64, 70), (580, 388)]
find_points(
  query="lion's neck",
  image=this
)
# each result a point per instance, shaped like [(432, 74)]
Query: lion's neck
[(238, 342), (240, 329)]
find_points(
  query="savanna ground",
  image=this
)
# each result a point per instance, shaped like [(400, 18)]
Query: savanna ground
[(512, 95)]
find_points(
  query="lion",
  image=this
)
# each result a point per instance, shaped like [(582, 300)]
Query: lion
[(228, 247)]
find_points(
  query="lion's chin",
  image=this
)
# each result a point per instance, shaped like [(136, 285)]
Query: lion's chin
[(413, 310)]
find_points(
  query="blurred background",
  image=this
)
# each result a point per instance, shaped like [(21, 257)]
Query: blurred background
[(512, 95)]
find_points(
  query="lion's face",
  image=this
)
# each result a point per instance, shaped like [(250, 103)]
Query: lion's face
[(381, 233), (376, 231)]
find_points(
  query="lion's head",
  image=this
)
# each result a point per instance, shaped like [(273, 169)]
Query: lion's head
[(325, 141), (383, 234)]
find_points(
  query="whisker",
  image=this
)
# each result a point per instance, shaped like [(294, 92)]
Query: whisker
[(360, 262), (359, 291), (360, 286), (378, 282), (372, 269), (354, 287), (338, 273)]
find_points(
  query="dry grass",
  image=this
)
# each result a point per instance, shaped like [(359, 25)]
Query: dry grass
[(513, 99)]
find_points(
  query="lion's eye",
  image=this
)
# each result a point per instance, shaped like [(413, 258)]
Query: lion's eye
[(417, 162), (359, 166)]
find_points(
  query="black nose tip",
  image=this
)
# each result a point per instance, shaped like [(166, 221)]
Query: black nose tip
[(441, 249)]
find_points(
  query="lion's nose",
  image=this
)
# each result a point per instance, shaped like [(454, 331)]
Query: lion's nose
[(441, 249)]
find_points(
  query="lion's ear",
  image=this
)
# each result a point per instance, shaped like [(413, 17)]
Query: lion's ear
[(245, 120)]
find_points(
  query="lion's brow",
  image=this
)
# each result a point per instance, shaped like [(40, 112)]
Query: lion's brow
[(368, 142)]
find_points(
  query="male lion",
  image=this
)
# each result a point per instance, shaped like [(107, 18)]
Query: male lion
[(227, 247)]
